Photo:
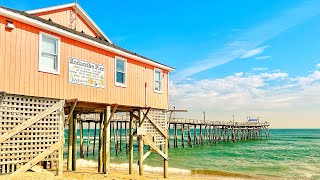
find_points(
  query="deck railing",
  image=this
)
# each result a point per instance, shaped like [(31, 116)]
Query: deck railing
[(216, 123), (123, 118)]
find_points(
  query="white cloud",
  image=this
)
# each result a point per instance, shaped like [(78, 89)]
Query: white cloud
[(259, 69), (305, 80), (238, 74), (263, 57), (251, 39), (248, 94), (318, 66), (274, 76), (254, 52)]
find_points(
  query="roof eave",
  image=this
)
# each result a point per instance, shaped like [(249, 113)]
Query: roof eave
[(52, 8)]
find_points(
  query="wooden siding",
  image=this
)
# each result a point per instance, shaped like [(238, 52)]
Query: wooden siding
[(19, 71), (62, 17)]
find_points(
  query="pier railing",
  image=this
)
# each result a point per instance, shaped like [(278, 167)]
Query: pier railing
[(216, 123), (125, 118)]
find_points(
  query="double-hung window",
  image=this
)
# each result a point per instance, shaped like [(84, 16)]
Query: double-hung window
[(120, 73), (158, 81), (49, 60)]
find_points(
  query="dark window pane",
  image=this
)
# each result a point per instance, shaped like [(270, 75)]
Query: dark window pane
[(120, 77)]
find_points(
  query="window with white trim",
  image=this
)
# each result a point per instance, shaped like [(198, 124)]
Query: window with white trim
[(158, 80), (120, 73), (49, 60)]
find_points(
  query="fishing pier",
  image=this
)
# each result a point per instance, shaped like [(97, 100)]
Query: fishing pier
[(199, 132), (183, 132)]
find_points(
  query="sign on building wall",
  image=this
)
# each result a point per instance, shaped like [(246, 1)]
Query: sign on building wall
[(86, 73)]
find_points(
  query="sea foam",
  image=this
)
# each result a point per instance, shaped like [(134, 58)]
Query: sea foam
[(125, 166)]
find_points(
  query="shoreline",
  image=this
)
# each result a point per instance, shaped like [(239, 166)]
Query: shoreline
[(88, 170), (91, 173)]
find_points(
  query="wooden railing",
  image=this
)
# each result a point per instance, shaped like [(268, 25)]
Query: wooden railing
[(123, 118), (216, 123)]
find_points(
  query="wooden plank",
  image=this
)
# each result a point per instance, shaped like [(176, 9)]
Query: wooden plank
[(135, 116), (38, 158), (111, 116), (148, 141), (31, 121), (71, 112), (147, 154), (145, 115)]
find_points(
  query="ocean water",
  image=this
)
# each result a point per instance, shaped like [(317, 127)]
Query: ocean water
[(288, 154)]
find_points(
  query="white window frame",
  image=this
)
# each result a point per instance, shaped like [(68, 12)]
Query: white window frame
[(41, 69), (154, 80), (117, 58)]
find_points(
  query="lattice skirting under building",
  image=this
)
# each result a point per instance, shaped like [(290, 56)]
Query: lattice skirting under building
[(22, 137)]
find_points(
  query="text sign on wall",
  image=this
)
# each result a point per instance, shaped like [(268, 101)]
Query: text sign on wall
[(86, 73)]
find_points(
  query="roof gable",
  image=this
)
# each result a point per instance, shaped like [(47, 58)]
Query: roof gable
[(66, 14)]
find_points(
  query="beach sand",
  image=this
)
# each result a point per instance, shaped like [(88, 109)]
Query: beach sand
[(87, 169), (91, 173)]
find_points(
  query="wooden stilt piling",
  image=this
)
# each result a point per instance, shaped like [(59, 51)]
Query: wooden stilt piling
[(120, 137), (126, 138), (81, 139), (182, 135), (195, 134), (131, 144), (106, 140), (70, 142), (175, 136), (189, 137), (94, 138), (88, 139), (166, 152), (74, 143), (100, 158), (140, 146), (201, 138)]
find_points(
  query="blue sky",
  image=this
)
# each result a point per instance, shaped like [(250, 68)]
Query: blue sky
[(248, 58)]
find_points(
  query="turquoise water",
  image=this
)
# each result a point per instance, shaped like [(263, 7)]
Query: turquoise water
[(288, 154)]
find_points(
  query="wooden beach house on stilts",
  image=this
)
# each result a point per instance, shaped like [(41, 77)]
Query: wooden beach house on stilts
[(56, 65)]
